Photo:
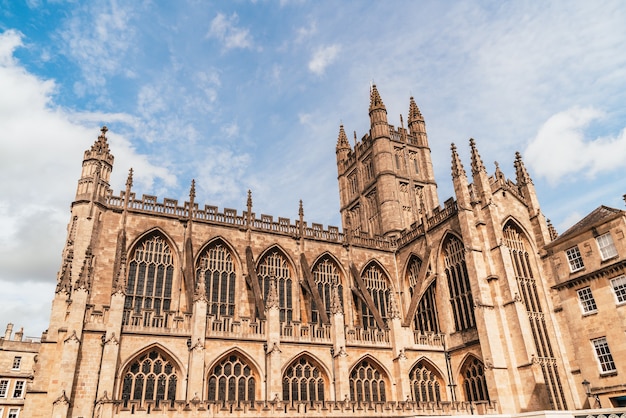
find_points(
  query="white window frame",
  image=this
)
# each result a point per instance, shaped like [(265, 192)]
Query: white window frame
[(574, 259), (604, 356), (17, 363), (587, 301), (4, 390), (21, 386), (13, 413), (619, 289), (606, 246)]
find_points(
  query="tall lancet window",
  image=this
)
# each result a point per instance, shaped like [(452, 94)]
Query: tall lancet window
[(325, 275), (149, 285), (518, 246), (275, 265), (426, 315), (461, 299), (377, 285), (216, 268), (426, 383)]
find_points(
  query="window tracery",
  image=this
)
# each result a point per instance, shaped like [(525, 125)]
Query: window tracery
[(303, 381), (217, 269), (474, 382), (376, 283), (367, 383), (275, 265), (426, 314), (425, 383), (325, 275), (149, 284), (231, 379), (150, 377), (459, 284)]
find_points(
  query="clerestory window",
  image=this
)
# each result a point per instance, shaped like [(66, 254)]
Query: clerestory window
[(325, 275), (459, 285), (216, 268)]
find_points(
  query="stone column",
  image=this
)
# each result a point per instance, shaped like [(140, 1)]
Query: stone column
[(273, 373)]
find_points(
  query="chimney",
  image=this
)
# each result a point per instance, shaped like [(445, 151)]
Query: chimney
[(8, 332), (18, 335)]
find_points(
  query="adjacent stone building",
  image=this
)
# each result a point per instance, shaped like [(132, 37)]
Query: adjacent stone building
[(18, 357), (412, 308)]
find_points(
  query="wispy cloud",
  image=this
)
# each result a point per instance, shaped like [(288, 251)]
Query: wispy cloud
[(224, 29), (323, 57), (561, 148), (98, 37)]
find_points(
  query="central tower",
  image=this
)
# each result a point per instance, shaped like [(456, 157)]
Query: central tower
[(386, 182)]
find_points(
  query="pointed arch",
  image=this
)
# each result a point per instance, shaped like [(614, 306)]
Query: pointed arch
[(305, 379), (153, 374), (150, 280), (377, 284), (455, 267), (525, 267), (216, 264), (412, 268), (326, 273), (511, 221), (473, 378), (275, 264), (427, 384), (369, 381), (233, 377)]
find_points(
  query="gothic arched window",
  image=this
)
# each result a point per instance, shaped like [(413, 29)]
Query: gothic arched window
[(459, 284), (149, 284), (376, 283), (367, 383), (216, 268), (303, 381), (474, 382), (231, 379), (426, 314), (150, 377), (275, 265), (518, 245), (426, 383), (325, 275)]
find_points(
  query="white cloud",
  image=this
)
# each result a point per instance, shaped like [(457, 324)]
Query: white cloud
[(305, 32), (98, 39), (322, 58), (41, 147), (224, 29), (561, 149)]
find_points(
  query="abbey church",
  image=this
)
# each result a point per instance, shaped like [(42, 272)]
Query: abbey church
[(414, 307)]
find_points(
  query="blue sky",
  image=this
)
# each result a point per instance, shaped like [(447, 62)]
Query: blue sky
[(250, 94)]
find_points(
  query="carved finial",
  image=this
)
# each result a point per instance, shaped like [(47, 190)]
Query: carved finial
[(84, 278), (375, 101), (65, 278), (499, 174), (129, 179), (249, 201), (477, 162), (104, 130), (552, 230), (457, 166), (414, 112), (522, 176), (192, 191), (342, 139), (272, 301), (336, 307), (301, 211), (101, 146)]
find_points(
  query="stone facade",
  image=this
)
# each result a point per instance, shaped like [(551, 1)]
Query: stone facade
[(413, 308), (18, 360)]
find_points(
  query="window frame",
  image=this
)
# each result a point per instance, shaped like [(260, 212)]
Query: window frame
[(17, 363), (20, 385), (605, 359), (15, 411), (620, 295), (608, 245), (574, 259), (587, 301), (4, 391)]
